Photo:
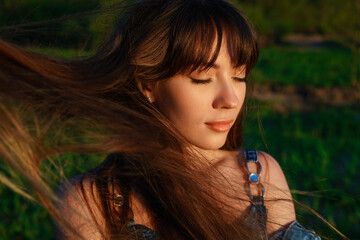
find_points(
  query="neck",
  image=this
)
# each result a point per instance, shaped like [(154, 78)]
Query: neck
[(213, 157)]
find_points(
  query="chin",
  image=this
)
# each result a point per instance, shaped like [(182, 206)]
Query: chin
[(211, 144)]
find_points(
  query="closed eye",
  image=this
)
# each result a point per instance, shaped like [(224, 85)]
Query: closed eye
[(200, 81), (240, 79)]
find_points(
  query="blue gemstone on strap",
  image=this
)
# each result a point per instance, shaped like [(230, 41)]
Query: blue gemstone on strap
[(254, 178)]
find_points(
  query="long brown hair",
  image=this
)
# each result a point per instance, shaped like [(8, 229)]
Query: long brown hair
[(98, 99)]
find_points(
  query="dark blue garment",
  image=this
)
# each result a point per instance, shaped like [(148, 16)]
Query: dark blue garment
[(294, 232), (140, 232)]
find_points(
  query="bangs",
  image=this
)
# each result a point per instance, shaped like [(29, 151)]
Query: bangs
[(198, 32)]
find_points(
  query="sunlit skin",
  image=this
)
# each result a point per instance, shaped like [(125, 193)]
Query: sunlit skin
[(203, 105)]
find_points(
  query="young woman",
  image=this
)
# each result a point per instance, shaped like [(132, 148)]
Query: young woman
[(165, 96)]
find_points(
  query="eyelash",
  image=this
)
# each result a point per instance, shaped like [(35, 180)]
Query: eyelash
[(244, 79), (207, 81), (198, 81)]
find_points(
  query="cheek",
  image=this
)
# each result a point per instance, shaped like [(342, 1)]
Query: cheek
[(182, 105), (242, 96)]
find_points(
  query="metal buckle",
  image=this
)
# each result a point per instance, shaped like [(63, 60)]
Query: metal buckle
[(254, 178), (262, 190)]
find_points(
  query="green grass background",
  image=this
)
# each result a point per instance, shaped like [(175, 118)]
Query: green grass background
[(318, 150), (321, 67)]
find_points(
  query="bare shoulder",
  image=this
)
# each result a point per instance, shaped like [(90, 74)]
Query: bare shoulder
[(272, 169), (79, 206), (78, 189), (69, 188), (278, 197)]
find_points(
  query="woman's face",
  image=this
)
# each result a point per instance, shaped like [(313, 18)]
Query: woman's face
[(203, 106)]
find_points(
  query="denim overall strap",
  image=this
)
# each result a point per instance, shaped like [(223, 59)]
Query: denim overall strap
[(258, 216)]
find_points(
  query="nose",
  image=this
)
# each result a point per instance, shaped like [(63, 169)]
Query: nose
[(227, 95)]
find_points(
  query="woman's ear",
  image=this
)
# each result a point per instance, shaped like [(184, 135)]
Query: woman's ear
[(148, 90)]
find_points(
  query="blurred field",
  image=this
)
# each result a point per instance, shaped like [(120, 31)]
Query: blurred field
[(22, 219), (319, 153), (319, 67)]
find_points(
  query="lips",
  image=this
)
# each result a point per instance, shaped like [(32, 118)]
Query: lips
[(220, 126)]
